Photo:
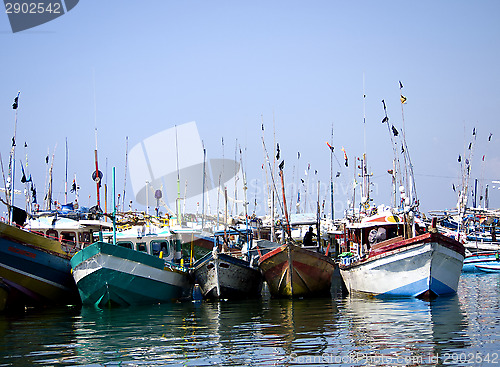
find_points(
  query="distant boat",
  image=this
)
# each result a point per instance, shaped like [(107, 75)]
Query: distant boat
[(486, 261), (293, 271), (109, 275), (222, 275), (35, 268), (383, 263)]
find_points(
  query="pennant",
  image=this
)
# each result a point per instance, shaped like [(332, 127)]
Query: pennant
[(277, 151), (74, 186), (395, 131), (489, 137), (302, 180), (23, 179), (383, 102), (453, 186), (298, 155), (47, 159), (15, 105), (345, 157), (403, 99), (459, 158), (400, 85), (385, 119), (338, 174), (473, 131), (282, 164), (33, 194), (329, 146)]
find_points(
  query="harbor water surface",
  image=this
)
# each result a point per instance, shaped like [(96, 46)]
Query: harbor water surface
[(344, 331)]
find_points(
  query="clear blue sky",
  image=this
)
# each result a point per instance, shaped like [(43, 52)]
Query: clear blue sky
[(150, 65)]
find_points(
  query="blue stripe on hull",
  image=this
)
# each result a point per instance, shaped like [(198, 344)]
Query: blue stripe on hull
[(419, 287)]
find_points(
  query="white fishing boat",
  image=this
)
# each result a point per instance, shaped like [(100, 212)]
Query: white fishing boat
[(389, 252), (384, 263)]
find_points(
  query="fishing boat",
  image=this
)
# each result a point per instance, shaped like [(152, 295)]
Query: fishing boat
[(293, 271), (35, 268), (382, 261), (224, 273), (131, 273), (388, 250), (482, 261)]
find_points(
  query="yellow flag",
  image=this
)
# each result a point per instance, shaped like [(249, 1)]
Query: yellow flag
[(403, 99)]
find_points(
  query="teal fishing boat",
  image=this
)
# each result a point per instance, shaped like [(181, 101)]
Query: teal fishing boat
[(109, 275)]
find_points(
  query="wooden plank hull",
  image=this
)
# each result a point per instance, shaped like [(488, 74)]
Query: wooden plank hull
[(424, 266), (291, 271), (225, 277), (34, 270), (108, 276)]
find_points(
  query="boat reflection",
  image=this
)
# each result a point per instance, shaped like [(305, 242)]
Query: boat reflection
[(407, 328)]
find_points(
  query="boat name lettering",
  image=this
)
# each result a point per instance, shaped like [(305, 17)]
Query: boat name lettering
[(22, 252)]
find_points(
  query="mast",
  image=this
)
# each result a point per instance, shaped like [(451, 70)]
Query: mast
[(12, 159), (331, 176), (203, 189), (66, 176), (125, 179), (178, 206)]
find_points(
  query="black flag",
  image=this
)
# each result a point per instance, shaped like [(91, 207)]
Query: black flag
[(16, 102), (395, 131), (277, 151), (282, 164), (459, 158), (385, 119)]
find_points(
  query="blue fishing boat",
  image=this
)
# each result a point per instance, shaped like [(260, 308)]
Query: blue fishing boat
[(486, 261), (35, 268)]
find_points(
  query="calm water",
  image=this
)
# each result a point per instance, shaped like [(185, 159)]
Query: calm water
[(350, 331)]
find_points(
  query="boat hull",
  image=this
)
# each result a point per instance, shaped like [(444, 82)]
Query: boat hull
[(425, 266), (225, 277), (108, 275), (292, 271), (34, 271)]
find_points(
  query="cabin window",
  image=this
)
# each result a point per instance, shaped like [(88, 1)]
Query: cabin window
[(52, 234), (69, 237), (126, 244), (85, 237), (160, 246), (141, 246)]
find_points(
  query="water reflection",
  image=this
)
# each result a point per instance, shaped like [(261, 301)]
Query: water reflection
[(262, 332), (42, 337), (405, 329)]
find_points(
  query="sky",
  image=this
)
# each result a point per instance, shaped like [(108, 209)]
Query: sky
[(117, 69)]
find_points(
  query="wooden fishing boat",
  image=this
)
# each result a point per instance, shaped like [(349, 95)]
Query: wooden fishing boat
[(381, 262), (223, 275), (486, 261), (109, 275), (35, 268), (293, 271)]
